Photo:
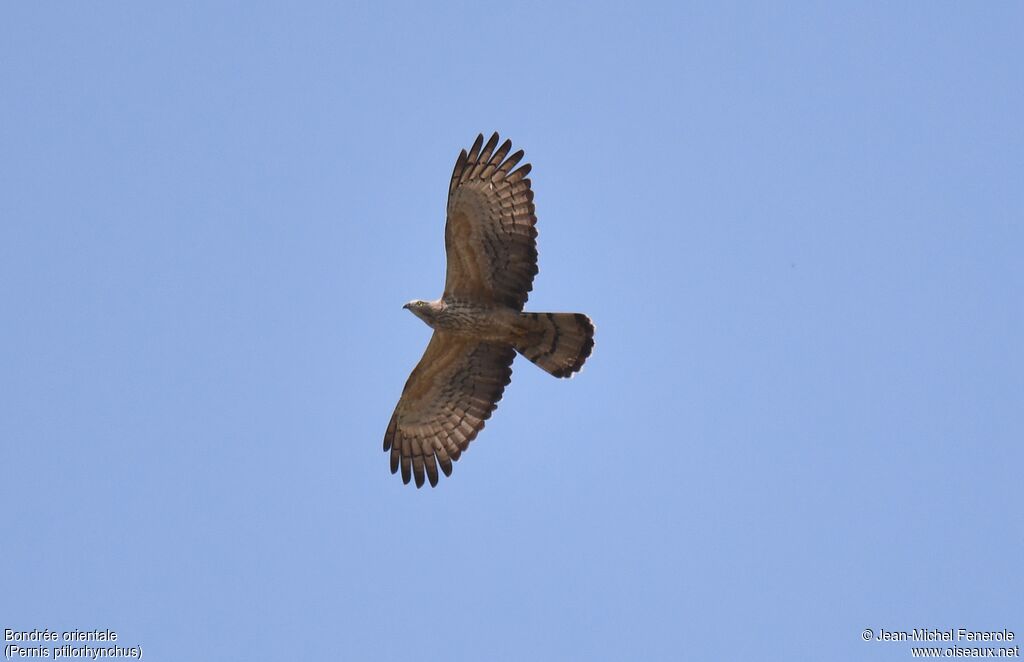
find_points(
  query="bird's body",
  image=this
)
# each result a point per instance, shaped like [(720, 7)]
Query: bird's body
[(479, 323), (468, 319)]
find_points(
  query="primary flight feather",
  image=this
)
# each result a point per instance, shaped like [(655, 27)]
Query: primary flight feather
[(490, 240)]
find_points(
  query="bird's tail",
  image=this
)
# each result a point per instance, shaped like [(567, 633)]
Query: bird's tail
[(557, 342)]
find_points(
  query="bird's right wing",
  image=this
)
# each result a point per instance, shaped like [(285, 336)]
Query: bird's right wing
[(451, 392)]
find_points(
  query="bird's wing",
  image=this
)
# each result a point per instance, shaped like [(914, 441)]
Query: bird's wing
[(451, 392), (490, 236)]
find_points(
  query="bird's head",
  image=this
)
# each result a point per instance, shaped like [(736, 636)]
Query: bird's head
[(421, 309)]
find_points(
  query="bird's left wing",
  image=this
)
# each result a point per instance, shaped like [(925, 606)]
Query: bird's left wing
[(490, 236), (451, 392)]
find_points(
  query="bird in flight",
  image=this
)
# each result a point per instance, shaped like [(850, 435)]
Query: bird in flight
[(490, 239)]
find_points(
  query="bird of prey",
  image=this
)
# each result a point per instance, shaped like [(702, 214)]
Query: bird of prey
[(479, 323)]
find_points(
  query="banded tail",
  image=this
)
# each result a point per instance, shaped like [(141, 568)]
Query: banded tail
[(557, 342)]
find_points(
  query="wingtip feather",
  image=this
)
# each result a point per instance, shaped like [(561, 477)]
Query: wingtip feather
[(474, 151)]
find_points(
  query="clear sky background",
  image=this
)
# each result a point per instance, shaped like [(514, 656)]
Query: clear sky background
[(798, 230)]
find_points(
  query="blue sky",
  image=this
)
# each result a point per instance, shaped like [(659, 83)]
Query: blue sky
[(798, 230)]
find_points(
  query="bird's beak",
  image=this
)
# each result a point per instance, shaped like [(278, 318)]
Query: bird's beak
[(405, 307)]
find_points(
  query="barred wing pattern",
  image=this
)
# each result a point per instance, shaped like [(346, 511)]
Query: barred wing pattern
[(490, 236), (451, 392)]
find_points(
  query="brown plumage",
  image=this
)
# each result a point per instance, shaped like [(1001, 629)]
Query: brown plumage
[(490, 241)]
